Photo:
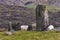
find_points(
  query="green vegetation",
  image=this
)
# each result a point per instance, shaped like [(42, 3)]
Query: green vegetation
[(31, 35), (51, 7), (31, 6)]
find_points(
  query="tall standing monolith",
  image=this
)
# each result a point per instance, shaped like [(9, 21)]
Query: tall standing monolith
[(42, 19)]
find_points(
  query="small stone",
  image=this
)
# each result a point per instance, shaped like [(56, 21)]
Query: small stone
[(8, 33), (51, 27)]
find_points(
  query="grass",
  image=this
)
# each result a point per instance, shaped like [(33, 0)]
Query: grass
[(31, 5), (31, 35), (50, 7)]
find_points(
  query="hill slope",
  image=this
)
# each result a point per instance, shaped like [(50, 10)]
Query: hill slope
[(24, 15), (20, 14)]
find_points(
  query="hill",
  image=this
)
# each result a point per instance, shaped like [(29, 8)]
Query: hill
[(20, 14), (16, 10), (24, 15), (54, 2), (23, 2)]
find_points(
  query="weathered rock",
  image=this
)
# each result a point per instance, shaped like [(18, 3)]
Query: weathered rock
[(50, 27), (24, 27), (42, 19), (8, 33)]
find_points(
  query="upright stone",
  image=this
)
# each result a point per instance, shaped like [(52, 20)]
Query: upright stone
[(42, 19), (10, 27)]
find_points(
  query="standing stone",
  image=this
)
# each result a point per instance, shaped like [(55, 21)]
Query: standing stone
[(16, 26), (10, 27), (41, 17)]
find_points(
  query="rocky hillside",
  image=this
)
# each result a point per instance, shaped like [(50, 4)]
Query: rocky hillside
[(16, 13), (23, 15), (54, 2), (21, 2), (13, 10), (54, 18)]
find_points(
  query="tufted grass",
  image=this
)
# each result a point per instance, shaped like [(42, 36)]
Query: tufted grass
[(31, 35)]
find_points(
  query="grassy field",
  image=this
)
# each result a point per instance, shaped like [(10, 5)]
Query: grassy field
[(31, 35)]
